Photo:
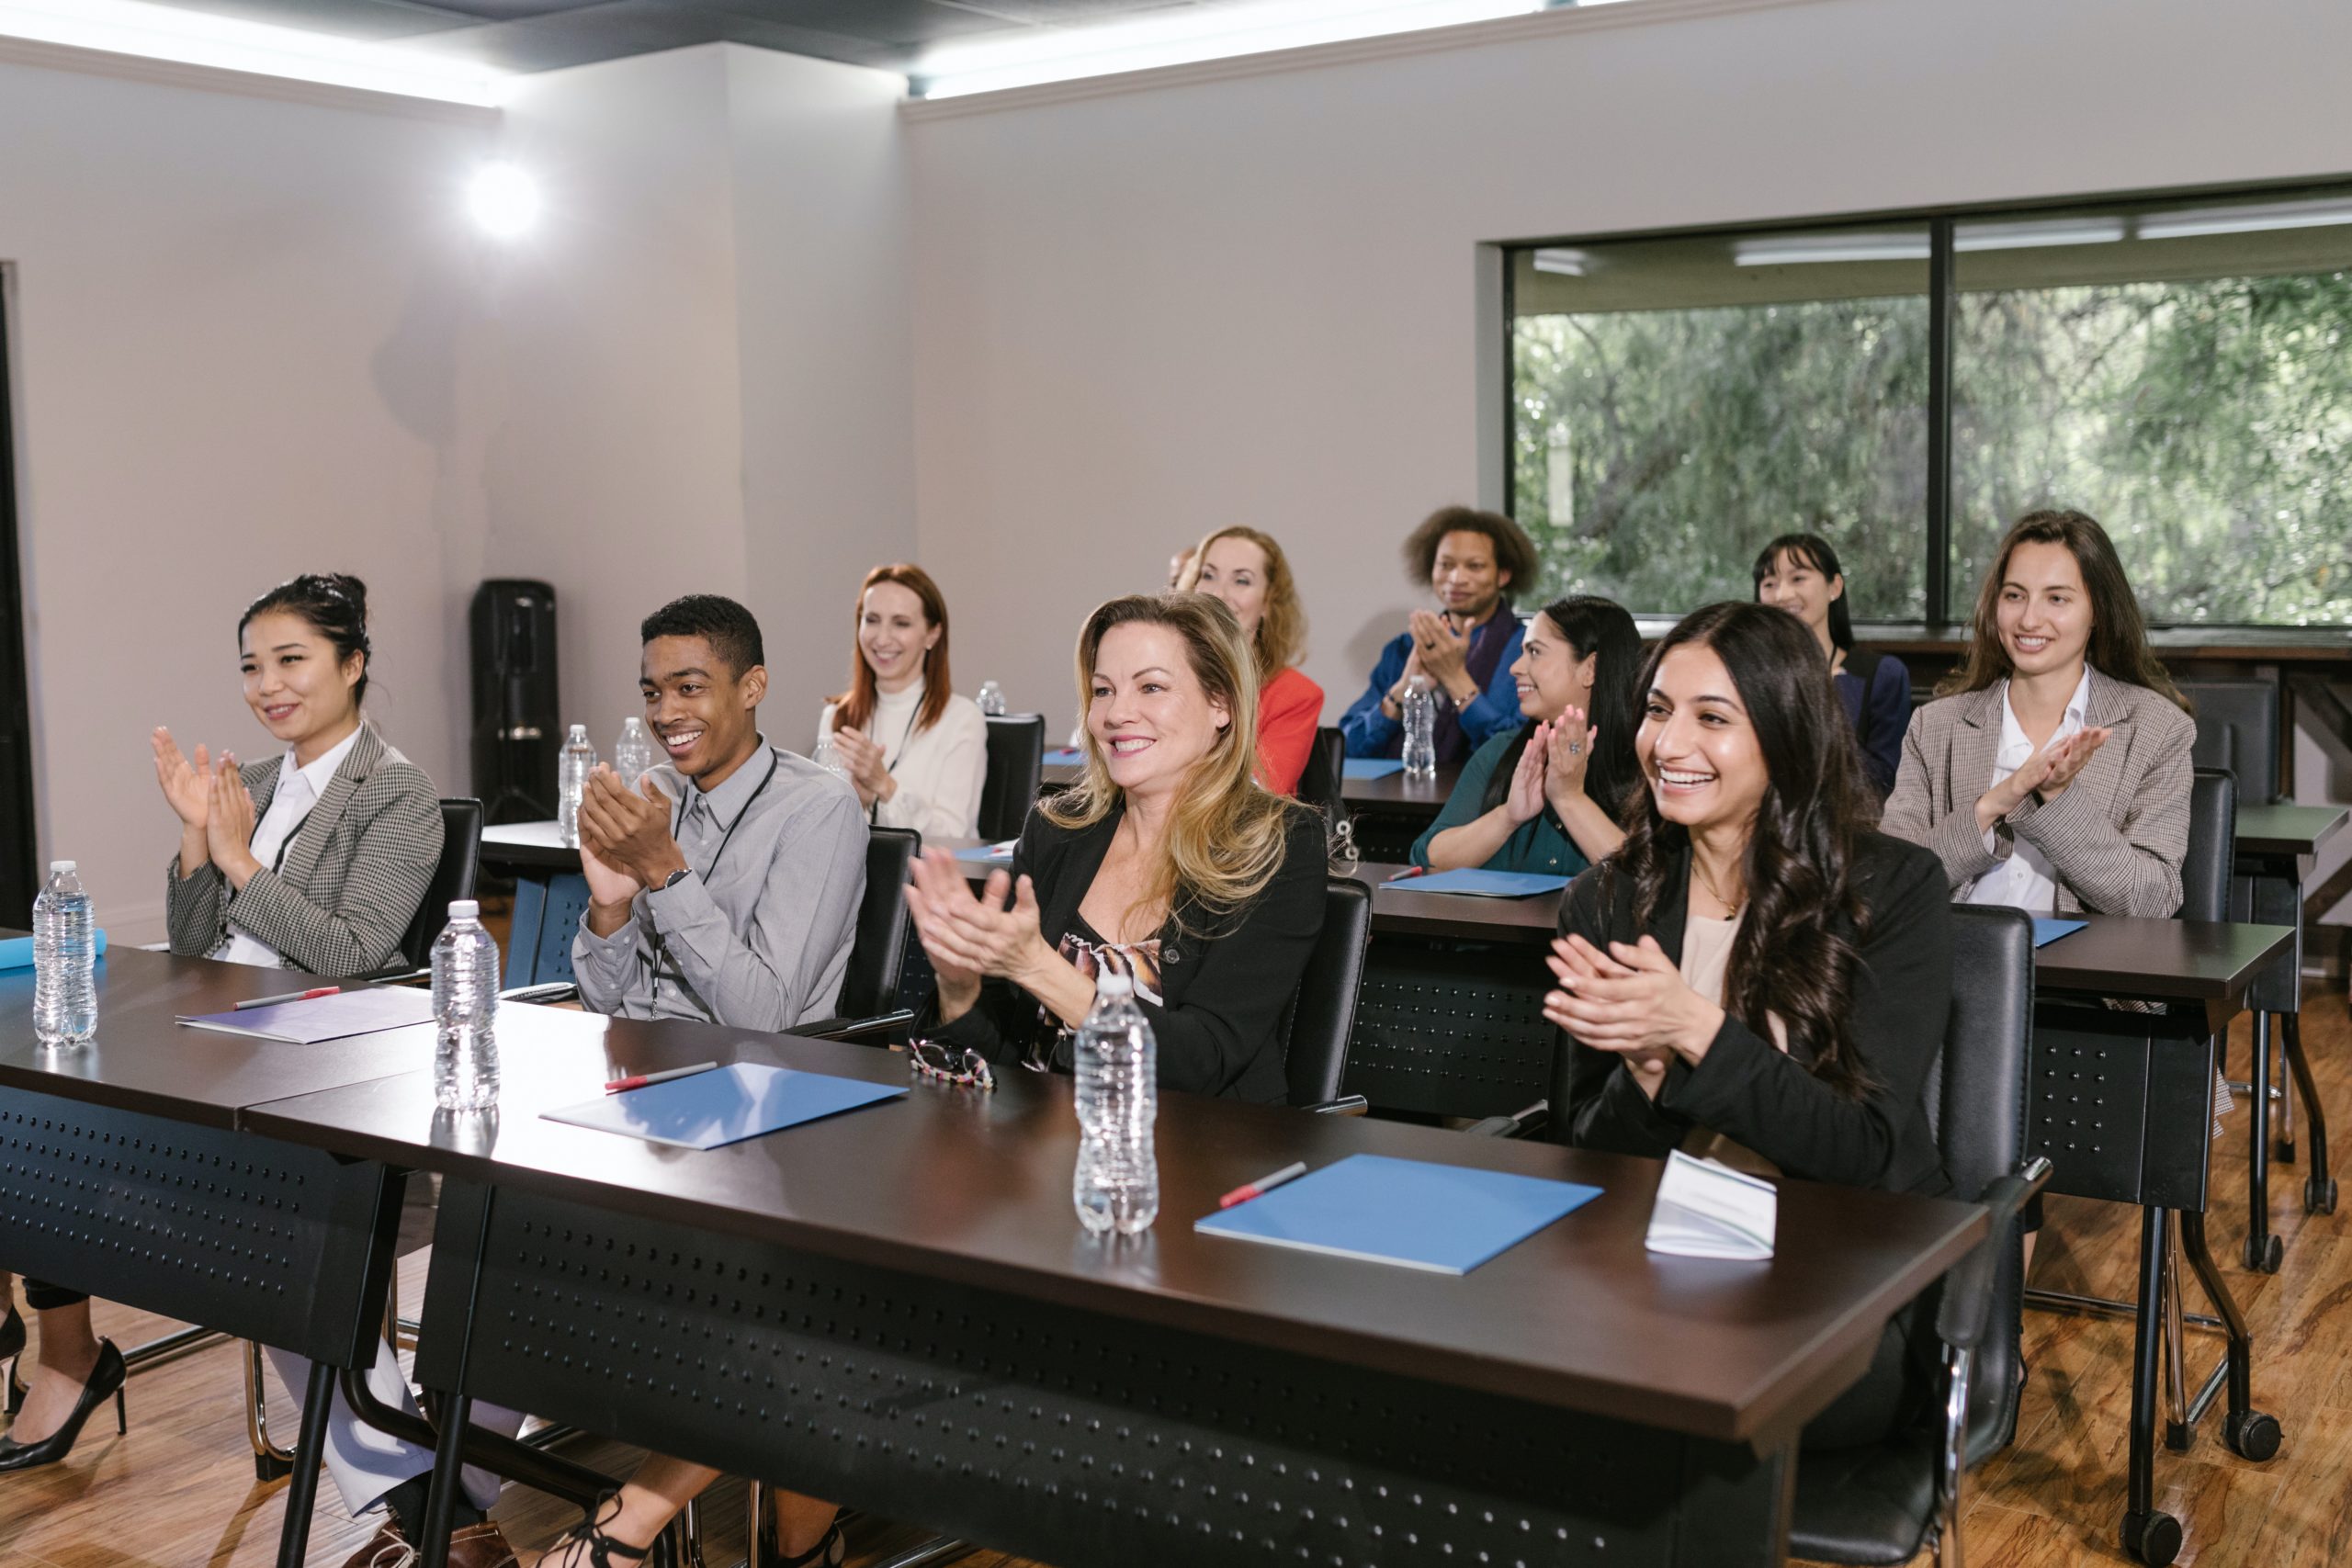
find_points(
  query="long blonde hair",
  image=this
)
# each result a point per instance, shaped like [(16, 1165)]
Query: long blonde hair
[(1226, 836), (1281, 641)]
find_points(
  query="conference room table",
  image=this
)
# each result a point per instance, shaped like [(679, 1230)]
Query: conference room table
[(897, 1308), (1389, 812)]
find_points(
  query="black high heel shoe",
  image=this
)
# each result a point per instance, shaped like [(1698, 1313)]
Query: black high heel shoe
[(602, 1550), (106, 1383), (12, 1350)]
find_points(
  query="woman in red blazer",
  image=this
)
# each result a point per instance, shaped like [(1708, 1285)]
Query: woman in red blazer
[(1246, 570)]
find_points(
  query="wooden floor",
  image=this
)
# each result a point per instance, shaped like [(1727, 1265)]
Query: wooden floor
[(178, 1491)]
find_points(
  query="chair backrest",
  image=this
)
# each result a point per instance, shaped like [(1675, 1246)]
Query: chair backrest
[(452, 879), (1016, 765), (1976, 1105), (1318, 785), (2212, 845), (2237, 730), (879, 949), (1324, 1011)]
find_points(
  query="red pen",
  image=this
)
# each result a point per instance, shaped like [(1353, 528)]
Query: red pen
[(312, 995), (1409, 872), (1262, 1186), (638, 1080)]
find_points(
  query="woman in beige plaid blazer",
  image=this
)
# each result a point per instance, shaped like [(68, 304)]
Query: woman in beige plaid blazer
[(2053, 772)]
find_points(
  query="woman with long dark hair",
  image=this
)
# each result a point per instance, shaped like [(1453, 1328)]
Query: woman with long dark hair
[(1545, 797), (2052, 772), (1746, 976), (1799, 573)]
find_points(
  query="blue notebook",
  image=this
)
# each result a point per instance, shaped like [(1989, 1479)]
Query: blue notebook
[(1444, 1218), (1366, 768), (725, 1105), (2046, 931), (17, 952), (1485, 884)]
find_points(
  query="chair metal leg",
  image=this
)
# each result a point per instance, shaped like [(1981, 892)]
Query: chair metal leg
[(167, 1348), (310, 1452), (2319, 1186), (2178, 1430), (2261, 1249), (270, 1462), (1951, 1480), (2250, 1434), (685, 1536), (2282, 1141), (755, 1523)]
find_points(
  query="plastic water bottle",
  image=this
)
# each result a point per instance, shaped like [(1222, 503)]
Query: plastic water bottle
[(991, 699), (1420, 729), (1116, 1185), (828, 755), (633, 752), (465, 1013), (65, 986), (572, 773)]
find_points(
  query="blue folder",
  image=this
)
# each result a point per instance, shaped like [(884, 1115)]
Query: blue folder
[(1444, 1218), (1366, 768), (1064, 756), (17, 952), (988, 854), (2046, 931), (1485, 884), (725, 1105)]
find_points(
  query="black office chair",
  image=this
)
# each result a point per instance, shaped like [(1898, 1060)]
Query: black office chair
[(1882, 1505), (2212, 846), (1016, 766), (878, 951), (2237, 731), (453, 879), (1324, 1008), (1319, 785)]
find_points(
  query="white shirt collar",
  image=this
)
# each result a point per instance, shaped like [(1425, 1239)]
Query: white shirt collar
[(319, 770), (2015, 748)]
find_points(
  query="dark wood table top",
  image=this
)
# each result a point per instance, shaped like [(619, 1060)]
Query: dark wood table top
[(142, 1060), (2116, 956), (2287, 828), (526, 846), (1398, 910), (974, 1188)]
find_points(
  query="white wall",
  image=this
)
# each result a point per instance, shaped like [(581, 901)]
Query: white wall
[(1144, 313), (241, 333), (707, 369)]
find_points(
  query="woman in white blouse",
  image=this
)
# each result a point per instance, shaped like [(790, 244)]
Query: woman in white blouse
[(915, 750)]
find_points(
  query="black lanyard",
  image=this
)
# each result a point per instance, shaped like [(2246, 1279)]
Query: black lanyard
[(660, 946), (874, 812)]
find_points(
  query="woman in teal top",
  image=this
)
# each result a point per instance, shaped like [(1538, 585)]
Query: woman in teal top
[(1545, 797)]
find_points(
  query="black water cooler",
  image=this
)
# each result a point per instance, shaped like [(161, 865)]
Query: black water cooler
[(517, 734)]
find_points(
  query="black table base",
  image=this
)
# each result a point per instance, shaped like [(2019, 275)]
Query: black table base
[(1080, 1438), (267, 1241)]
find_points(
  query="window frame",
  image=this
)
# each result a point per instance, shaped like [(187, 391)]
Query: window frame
[(1942, 311)]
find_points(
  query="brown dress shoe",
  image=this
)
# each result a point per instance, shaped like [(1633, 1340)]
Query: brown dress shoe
[(388, 1548), (480, 1546)]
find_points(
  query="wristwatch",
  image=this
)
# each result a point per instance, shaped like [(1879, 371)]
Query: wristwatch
[(676, 876)]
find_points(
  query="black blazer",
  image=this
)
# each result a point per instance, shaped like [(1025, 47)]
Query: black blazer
[(1748, 1090), (1223, 992)]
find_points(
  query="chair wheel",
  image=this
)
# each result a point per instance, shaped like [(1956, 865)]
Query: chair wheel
[(2319, 1196), (2265, 1256), (266, 1469), (2154, 1539), (2252, 1435)]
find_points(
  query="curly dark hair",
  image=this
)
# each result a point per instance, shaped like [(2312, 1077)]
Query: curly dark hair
[(335, 603), (1514, 552), (728, 627), (1793, 959)]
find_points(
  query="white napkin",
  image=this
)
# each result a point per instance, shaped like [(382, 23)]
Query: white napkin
[(1708, 1209)]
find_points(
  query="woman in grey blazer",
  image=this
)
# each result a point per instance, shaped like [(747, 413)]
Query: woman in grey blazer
[(2053, 771)]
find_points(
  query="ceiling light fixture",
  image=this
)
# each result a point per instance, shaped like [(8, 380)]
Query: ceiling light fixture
[(503, 200), (1563, 262), (1790, 249), (192, 38), (2196, 222), (1184, 36)]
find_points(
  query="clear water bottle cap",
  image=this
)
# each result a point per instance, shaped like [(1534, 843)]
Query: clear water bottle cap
[(57, 867), (465, 910), (1115, 986)]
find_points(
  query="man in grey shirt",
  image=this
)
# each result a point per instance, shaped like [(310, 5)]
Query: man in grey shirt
[(725, 886)]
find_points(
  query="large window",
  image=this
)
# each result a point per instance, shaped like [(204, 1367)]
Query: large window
[(2180, 369)]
